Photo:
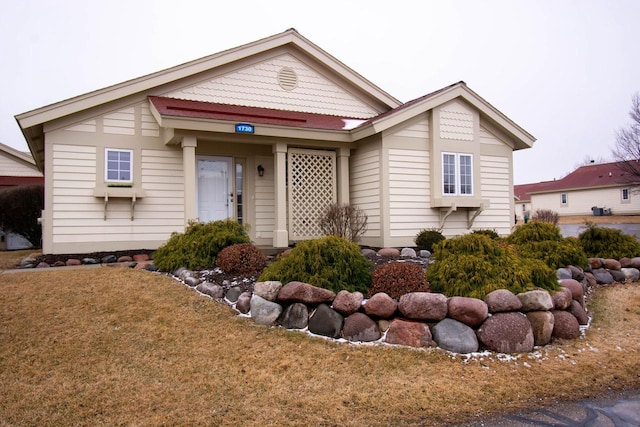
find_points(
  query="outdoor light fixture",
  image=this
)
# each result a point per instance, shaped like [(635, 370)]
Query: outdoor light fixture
[(260, 170)]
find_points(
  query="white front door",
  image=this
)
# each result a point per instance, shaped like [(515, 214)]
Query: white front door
[(215, 188)]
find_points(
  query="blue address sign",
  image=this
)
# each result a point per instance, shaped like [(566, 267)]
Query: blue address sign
[(244, 128)]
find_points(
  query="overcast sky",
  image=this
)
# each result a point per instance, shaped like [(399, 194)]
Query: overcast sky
[(565, 71)]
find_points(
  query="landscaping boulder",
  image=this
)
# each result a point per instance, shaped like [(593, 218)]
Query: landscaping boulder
[(602, 276), (305, 293), (409, 333), (369, 253), (562, 298), (612, 264), (595, 263), (576, 273), (565, 325), (507, 333), (296, 316), (408, 252), (191, 281), (380, 305), (326, 322), (389, 252), (563, 273), (455, 336), (347, 303), (212, 289), (576, 288), (360, 327), (542, 326), (618, 276), (263, 311), (590, 279), (535, 300), (423, 306), (243, 305), (631, 274), (502, 300), (73, 261), (233, 294), (268, 290), (470, 311), (579, 313)]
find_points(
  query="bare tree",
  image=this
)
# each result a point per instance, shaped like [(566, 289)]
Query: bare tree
[(627, 147)]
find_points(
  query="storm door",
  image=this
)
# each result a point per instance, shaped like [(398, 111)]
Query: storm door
[(215, 188)]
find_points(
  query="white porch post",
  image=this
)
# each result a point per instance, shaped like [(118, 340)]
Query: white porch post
[(189, 144), (343, 176), (280, 234)]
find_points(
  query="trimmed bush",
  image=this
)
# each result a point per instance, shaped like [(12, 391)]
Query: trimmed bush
[(200, 244), (427, 239), (398, 278), (20, 208), (330, 262), (603, 242), (490, 233), (474, 265), (543, 241), (241, 258)]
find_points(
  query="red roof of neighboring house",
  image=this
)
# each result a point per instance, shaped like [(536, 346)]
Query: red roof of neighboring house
[(13, 181), (238, 113), (588, 176)]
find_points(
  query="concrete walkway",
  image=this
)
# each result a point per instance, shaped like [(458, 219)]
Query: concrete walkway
[(617, 410)]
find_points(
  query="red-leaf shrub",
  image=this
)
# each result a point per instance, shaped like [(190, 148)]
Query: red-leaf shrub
[(242, 258), (398, 278)]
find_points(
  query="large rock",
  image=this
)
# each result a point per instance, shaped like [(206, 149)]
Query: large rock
[(326, 322), (602, 276), (612, 264), (455, 336), (380, 305), (590, 279), (618, 276), (408, 252), (562, 298), (595, 263), (565, 325), (423, 306), (507, 333), (233, 294), (268, 290), (470, 311), (576, 288), (389, 252), (360, 327), (263, 311), (369, 253), (631, 274), (579, 313), (191, 281), (347, 303), (502, 300), (542, 326), (563, 273), (243, 304), (305, 293), (296, 316), (212, 289), (576, 273), (409, 333), (536, 300)]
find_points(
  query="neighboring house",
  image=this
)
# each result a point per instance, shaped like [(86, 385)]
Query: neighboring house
[(16, 168), (593, 189), (269, 133)]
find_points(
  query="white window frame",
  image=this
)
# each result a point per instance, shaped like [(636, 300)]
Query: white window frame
[(106, 166), (564, 199), (458, 186), (625, 192)]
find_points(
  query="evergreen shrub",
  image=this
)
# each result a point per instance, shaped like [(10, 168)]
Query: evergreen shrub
[(398, 278), (200, 244), (330, 262), (491, 233), (474, 265), (241, 258), (604, 242), (427, 239)]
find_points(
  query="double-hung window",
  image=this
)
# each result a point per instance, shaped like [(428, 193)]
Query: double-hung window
[(118, 166), (457, 174), (624, 194)]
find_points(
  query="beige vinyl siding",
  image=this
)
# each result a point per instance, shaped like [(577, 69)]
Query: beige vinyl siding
[(257, 86), (10, 166), (265, 214), (495, 178), (364, 188), (121, 122), (486, 137), (580, 202)]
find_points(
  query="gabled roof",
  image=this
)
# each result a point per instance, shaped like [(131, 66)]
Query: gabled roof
[(595, 175), (18, 156), (32, 122)]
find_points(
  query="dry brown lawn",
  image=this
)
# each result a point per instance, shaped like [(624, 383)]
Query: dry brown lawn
[(113, 346), (11, 259)]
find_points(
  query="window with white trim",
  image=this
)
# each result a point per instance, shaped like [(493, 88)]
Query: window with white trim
[(118, 166), (624, 194), (457, 174), (563, 199)]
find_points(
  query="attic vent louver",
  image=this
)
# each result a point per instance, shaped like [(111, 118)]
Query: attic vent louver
[(287, 78)]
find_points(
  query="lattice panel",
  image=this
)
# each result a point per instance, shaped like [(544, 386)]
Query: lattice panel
[(312, 187)]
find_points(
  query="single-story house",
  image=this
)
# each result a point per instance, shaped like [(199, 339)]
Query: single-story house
[(269, 133), (593, 189), (16, 168)]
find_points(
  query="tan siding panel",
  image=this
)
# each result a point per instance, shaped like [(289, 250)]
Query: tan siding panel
[(364, 188)]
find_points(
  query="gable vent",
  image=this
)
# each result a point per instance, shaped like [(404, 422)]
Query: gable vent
[(287, 78)]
